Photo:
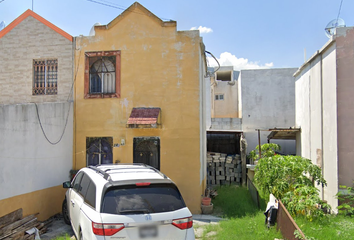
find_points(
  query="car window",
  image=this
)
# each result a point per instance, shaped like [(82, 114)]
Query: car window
[(90, 197), (155, 198), (85, 182), (77, 180)]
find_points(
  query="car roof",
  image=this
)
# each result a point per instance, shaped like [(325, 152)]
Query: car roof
[(123, 172)]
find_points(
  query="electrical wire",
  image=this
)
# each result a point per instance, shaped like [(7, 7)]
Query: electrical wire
[(45, 135), (67, 117), (340, 7), (215, 60), (120, 7)]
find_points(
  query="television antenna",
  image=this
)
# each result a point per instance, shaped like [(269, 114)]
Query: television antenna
[(332, 25), (2, 25)]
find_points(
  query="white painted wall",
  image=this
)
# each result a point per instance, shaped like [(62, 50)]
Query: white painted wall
[(268, 101), (28, 162), (330, 150), (316, 115)]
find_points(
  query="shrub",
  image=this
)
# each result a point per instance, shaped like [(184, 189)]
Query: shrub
[(347, 199), (292, 179)]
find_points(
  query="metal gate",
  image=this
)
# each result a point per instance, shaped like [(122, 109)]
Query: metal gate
[(147, 151)]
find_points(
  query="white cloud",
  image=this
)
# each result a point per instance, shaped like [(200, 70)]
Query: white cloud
[(228, 59), (202, 29)]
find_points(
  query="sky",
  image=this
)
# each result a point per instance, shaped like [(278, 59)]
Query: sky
[(246, 34)]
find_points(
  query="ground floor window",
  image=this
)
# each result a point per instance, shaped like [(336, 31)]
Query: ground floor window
[(99, 150)]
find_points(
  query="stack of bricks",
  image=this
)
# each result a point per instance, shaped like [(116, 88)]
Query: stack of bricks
[(223, 169)]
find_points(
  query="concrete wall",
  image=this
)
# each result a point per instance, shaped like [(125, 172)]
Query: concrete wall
[(226, 124), (345, 107), (160, 67), (29, 40), (316, 115), (32, 170), (267, 101), (228, 107)]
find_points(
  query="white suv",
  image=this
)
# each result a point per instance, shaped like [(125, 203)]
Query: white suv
[(126, 202)]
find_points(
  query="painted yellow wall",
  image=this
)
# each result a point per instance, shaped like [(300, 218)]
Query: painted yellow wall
[(47, 202), (160, 67)]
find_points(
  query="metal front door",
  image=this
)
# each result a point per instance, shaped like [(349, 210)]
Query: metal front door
[(147, 151)]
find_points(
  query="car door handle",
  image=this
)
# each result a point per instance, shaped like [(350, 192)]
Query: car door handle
[(72, 203)]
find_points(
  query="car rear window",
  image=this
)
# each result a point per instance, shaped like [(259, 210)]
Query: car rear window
[(155, 198)]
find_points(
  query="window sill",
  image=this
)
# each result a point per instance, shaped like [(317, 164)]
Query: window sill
[(107, 95)]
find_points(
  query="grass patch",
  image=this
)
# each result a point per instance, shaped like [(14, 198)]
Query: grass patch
[(243, 218), (64, 237), (330, 227)]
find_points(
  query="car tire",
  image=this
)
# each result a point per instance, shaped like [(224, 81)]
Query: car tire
[(65, 212), (80, 235)]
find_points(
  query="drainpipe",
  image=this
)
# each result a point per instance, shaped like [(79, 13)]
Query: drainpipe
[(322, 162), (259, 143)]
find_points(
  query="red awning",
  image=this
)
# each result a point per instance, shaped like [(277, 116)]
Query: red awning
[(144, 117)]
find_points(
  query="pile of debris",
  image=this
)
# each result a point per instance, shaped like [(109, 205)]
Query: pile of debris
[(16, 227), (223, 169)]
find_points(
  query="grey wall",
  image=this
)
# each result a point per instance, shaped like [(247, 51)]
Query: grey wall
[(28, 161), (267, 101)]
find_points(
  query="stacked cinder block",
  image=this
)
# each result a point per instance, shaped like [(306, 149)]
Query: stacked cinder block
[(223, 169)]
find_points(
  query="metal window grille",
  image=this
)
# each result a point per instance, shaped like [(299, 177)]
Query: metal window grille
[(102, 75), (45, 79)]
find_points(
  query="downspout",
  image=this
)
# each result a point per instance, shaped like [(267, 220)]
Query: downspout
[(74, 104), (322, 160)]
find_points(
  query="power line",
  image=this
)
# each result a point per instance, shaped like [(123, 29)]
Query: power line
[(105, 4), (120, 7)]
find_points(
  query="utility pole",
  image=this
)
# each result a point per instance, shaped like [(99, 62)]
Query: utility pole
[(32, 5)]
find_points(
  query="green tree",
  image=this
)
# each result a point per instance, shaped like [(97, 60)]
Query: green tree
[(291, 179)]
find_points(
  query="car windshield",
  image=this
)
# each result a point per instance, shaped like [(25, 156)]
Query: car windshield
[(155, 198)]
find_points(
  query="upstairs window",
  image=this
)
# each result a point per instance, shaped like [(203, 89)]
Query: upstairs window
[(102, 74), (219, 96), (45, 77)]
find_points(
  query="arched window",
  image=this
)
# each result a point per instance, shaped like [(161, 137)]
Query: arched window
[(102, 74)]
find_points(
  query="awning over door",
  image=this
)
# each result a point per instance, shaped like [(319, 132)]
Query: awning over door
[(144, 118)]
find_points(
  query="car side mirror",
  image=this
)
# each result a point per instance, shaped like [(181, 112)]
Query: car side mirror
[(67, 184)]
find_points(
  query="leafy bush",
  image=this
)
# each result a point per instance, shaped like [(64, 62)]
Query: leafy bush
[(292, 179), (347, 199), (267, 150)]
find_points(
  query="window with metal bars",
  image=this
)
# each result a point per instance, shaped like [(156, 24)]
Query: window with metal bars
[(102, 74), (45, 77)]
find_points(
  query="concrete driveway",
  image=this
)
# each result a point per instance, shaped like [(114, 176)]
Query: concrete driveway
[(58, 227)]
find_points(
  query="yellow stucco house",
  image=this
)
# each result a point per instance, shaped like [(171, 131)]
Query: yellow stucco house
[(139, 99)]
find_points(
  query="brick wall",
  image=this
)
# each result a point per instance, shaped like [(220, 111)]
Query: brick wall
[(30, 40)]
